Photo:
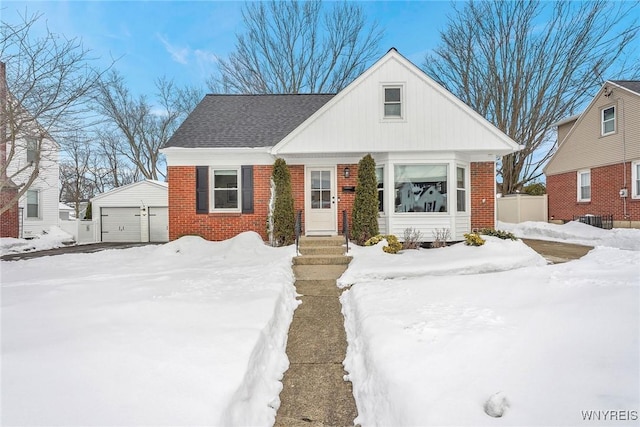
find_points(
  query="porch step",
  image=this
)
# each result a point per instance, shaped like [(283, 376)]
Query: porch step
[(321, 250), (322, 260), (307, 241)]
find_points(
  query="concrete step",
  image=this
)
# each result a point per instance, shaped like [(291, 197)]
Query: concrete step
[(322, 260), (322, 250), (319, 272), (321, 241)]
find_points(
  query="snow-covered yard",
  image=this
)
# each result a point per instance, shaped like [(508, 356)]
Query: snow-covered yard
[(194, 332), (188, 333), (442, 336)]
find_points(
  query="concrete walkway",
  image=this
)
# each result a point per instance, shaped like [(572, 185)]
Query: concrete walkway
[(314, 391), (557, 252)]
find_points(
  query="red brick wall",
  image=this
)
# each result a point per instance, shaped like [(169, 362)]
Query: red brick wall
[(606, 182), (9, 225), (346, 199), (483, 195), (183, 219)]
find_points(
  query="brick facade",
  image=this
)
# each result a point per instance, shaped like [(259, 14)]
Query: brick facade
[(183, 219), (9, 219), (606, 182), (483, 195)]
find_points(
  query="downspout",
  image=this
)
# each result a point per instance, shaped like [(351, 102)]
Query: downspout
[(624, 159)]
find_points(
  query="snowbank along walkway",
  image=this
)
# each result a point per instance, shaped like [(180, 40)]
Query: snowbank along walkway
[(314, 390)]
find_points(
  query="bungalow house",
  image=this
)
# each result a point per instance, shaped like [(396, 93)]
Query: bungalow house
[(595, 170), (435, 157)]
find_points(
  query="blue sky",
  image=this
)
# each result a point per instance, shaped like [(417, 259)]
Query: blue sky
[(181, 39)]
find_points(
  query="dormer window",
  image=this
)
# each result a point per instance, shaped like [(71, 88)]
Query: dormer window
[(393, 102), (608, 120)]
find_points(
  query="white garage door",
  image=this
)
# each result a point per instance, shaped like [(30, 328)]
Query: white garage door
[(159, 224), (120, 224)]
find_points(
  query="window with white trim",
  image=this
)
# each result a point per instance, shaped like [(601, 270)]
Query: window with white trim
[(225, 189), (421, 188), (608, 120), (392, 102), (380, 179), (32, 150), (635, 180), (33, 204), (584, 186), (461, 189)]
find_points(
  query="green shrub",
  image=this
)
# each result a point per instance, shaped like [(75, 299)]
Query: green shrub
[(283, 212), (87, 213), (504, 235), (393, 245), (473, 239), (535, 189), (365, 204)]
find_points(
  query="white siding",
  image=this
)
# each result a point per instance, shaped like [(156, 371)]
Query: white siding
[(46, 184), (427, 224), (462, 226), (584, 146), (434, 120), (144, 194)]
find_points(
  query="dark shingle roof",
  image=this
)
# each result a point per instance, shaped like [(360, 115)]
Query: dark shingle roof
[(632, 85), (228, 121)]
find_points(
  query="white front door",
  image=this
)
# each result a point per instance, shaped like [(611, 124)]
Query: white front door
[(320, 201)]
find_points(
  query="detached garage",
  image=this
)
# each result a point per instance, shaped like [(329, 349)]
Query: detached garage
[(134, 213)]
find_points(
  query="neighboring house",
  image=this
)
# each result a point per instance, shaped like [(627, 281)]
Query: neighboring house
[(37, 209), (435, 157), (38, 206), (133, 213), (596, 167), (66, 212)]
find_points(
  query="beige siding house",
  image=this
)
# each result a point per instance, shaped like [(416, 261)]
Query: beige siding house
[(596, 168)]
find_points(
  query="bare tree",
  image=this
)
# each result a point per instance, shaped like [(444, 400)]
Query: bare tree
[(76, 181), (298, 47), (135, 128), (47, 82), (524, 65)]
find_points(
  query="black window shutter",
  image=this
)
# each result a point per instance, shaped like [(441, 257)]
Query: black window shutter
[(247, 189), (202, 189)]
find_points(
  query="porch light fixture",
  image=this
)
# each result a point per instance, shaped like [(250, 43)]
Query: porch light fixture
[(347, 172)]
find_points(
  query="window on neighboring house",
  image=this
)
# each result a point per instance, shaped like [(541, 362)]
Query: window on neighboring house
[(584, 186), (393, 102), (225, 189), (635, 180), (33, 204), (420, 188), (461, 189), (608, 120), (380, 178), (32, 150)]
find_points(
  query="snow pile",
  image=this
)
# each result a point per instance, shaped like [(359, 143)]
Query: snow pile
[(372, 263), (53, 238), (539, 345), (188, 333), (576, 232)]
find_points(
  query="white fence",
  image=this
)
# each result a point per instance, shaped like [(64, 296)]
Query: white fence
[(516, 208), (81, 230)]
